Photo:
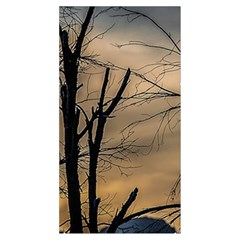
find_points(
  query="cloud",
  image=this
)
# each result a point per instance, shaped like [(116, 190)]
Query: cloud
[(159, 169)]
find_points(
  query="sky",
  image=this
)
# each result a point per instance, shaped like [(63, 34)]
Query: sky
[(154, 173), (29, 122)]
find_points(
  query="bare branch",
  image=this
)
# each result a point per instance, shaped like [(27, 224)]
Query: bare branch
[(155, 23), (68, 220), (100, 104), (85, 24), (149, 210), (139, 43), (119, 94), (119, 217)]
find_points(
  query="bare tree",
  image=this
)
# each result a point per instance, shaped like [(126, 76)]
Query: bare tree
[(71, 120), (93, 157)]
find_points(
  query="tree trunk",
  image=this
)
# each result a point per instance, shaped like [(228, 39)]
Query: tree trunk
[(71, 153), (71, 118), (94, 146), (71, 121), (92, 186), (93, 200)]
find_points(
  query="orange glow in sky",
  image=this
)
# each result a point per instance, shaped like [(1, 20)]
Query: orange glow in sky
[(154, 169)]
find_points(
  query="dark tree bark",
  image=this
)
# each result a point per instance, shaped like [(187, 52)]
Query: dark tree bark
[(71, 113), (71, 120), (119, 217), (94, 146)]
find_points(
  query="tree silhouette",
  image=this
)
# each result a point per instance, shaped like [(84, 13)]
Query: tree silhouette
[(73, 65), (71, 120)]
